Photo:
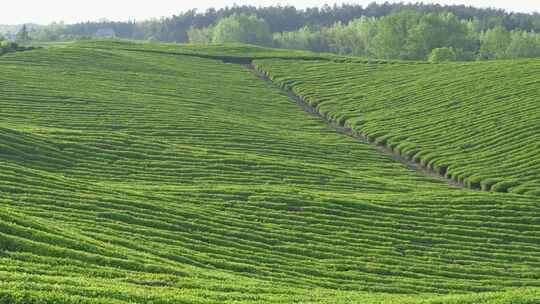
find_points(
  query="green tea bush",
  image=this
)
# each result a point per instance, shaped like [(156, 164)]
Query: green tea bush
[(457, 114), (182, 179)]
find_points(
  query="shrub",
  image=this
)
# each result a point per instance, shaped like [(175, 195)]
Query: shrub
[(504, 185), (443, 54), (473, 182), (7, 46), (488, 183)]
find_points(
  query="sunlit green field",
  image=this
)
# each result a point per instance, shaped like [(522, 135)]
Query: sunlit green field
[(475, 123), (137, 176)]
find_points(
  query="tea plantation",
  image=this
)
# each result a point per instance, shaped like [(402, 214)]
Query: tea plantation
[(475, 123), (137, 175)]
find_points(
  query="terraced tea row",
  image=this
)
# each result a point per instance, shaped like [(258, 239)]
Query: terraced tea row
[(475, 123), (131, 176), (236, 53)]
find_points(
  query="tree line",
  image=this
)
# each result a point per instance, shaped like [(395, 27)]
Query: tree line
[(411, 35), (407, 35), (11, 46), (285, 19), (387, 30)]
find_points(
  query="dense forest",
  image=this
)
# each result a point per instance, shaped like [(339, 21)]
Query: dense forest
[(392, 31)]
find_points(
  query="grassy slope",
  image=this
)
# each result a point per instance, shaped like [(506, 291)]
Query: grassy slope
[(135, 176), (478, 123), (233, 52)]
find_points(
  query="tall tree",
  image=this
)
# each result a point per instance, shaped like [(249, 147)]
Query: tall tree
[(200, 35), (302, 39), (22, 35), (242, 28), (494, 43), (523, 45), (437, 31), (392, 34)]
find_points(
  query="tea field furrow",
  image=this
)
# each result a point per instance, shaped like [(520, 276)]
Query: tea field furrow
[(474, 122), (133, 173)]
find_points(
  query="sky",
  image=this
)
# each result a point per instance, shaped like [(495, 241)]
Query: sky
[(72, 11)]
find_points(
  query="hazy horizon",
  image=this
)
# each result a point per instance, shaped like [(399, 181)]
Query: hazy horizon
[(46, 12)]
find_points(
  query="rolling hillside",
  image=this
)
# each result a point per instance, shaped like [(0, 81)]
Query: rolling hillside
[(133, 175), (475, 123)]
